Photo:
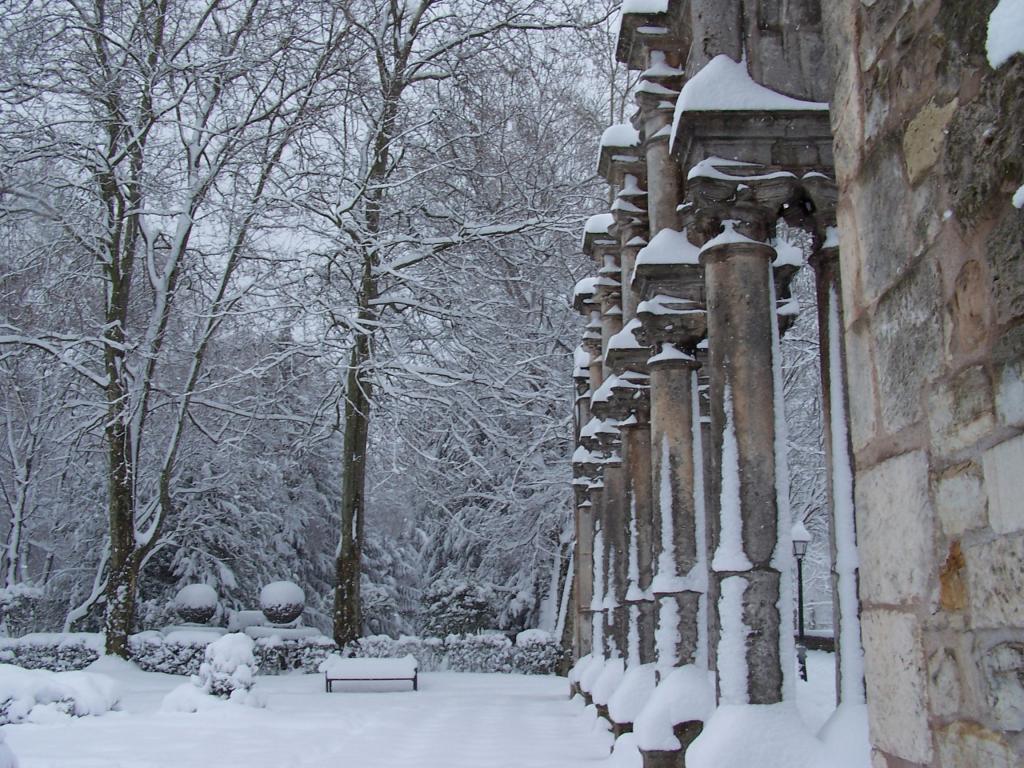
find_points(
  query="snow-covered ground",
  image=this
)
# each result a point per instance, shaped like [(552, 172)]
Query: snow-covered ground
[(454, 720)]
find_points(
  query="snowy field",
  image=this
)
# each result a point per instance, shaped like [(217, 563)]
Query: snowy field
[(455, 720)]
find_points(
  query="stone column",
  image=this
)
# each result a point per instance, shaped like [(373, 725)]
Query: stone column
[(838, 453), (748, 646)]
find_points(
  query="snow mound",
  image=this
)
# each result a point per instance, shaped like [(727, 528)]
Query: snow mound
[(196, 596), (1005, 32), (684, 695), (532, 637), (229, 666), (625, 753), (846, 737), (7, 758), (773, 736), (633, 692), (608, 681), (38, 695), (281, 593)]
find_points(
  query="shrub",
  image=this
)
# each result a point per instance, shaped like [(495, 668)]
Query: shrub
[(456, 608)]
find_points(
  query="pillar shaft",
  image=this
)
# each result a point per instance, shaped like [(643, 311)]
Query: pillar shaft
[(838, 453), (747, 534)]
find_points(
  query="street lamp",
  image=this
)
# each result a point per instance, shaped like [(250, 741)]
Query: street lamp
[(801, 538)]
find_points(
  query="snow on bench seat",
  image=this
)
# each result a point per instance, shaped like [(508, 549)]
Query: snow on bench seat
[(338, 669)]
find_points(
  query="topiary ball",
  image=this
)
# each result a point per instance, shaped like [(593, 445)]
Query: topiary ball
[(196, 603), (282, 602)]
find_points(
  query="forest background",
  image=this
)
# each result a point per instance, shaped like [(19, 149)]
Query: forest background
[(285, 293)]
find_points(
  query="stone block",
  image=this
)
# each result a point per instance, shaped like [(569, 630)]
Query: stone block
[(944, 690), (969, 311), (995, 582), (968, 745), (960, 498), (895, 678), (1010, 394), (1003, 667), (1003, 248), (1004, 481), (860, 378), (922, 141), (908, 345), (960, 411), (894, 530)]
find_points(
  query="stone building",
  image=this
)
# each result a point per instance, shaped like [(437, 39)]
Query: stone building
[(892, 133)]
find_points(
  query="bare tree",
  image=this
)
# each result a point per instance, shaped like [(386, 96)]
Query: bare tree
[(160, 128)]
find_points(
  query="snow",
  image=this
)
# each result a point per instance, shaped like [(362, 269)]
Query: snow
[(1018, 197), (590, 673), (670, 352), (729, 554), (732, 642), (669, 246), (660, 304), (598, 224), (620, 135), (632, 693), (685, 694), (729, 236), (625, 753), (660, 67), (38, 695), (1005, 33), (626, 338), (725, 84), (773, 736), (847, 560), (285, 633), (644, 6), (788, 254), (584, 287), (192, 635), (608, 681), (666, 636), (196, 596), (846, 736), (7, 757), (240, 620), (279, 593), (711, 168), (336, 666), (454, 721)]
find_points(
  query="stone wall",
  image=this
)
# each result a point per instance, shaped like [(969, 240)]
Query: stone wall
[(928, 152)]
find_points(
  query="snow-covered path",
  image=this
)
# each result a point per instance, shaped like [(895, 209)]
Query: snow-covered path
[(454, 720)]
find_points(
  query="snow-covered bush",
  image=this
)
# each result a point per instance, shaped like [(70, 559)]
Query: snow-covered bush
[(196, 603), (454, 607), (282, 602), (36, 694), (465, 653), (54, 651), (228, 666), (276, 654)]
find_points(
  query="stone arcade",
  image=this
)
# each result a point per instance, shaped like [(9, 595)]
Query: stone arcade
[(904, 189)]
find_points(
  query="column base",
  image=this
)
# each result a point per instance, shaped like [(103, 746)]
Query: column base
[(686, 733)]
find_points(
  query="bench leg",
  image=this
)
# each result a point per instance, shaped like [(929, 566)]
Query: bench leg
[(416, 681)]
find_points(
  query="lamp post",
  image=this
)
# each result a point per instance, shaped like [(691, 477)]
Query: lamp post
[(801, 538)]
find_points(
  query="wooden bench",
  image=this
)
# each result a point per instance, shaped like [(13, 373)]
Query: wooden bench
[(339, 670)]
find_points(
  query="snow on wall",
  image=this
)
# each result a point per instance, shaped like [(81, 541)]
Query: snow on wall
[(729, 554), (851, 660), (732, 643), (1005, 32)]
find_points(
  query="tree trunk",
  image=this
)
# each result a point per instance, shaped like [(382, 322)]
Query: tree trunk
[(122, 575), (347, 609)]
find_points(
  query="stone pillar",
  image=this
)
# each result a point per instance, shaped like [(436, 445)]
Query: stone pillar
[(747, 646), (838, 454)]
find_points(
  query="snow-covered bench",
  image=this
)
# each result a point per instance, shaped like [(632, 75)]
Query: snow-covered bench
[(339, 670)]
